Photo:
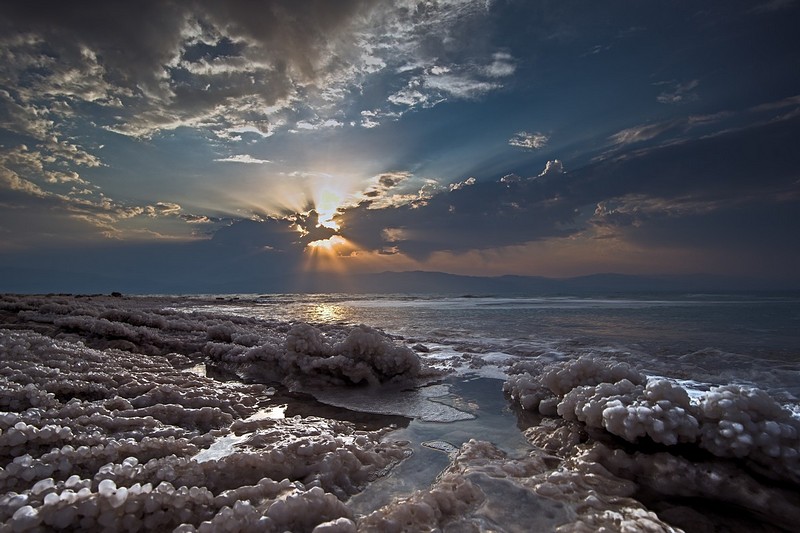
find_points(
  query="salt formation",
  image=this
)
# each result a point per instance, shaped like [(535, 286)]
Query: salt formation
[(257, 349), (93, 440), (364, 356), (722, 444), (484, 490)]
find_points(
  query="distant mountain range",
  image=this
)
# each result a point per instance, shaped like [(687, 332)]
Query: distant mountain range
[(46, 281), (439, 282)]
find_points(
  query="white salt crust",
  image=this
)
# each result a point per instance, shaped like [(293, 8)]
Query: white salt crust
[(104, 440), (746, 444)]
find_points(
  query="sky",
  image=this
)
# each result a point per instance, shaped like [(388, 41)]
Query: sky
[(195, 140)]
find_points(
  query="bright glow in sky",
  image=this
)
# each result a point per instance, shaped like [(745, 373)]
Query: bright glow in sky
[(538, 137)]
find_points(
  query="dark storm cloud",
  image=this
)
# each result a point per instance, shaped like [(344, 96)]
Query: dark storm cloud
[(159, 65), (134, 38), (137, 40), (142, 67)]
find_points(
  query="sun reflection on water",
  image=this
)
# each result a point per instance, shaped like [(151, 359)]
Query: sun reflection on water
[(327, 313)]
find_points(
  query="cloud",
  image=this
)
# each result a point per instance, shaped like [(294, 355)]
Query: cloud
[(508, 179), (462, 184), (393, 234), (232, 72), (67, 207), (398, 188), (392, 179), (679, 93), (240, 254), (162, 209), (243, 158), (431, 54), (470, 214), (236, 67), (792, 101), (704, 125), (196, 219), (635, 210), (460, 87), (317, 124), (551, 168), (529, 141), (502, 65)]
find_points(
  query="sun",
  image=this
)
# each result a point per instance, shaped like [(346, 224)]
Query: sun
[(326, 203)]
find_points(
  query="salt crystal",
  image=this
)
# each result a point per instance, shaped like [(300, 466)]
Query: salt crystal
[(42, 486), (25, 518), (106, 488), (340, 525), (117, 499), (14, 437), (135, 490), (15, 501), (279, 511), (68, 496), (63, 518)]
